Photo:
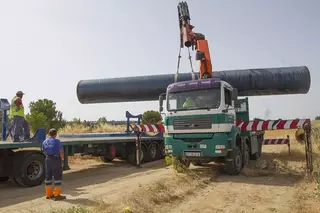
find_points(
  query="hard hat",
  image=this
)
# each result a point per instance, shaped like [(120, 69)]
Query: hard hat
[(19, 93)]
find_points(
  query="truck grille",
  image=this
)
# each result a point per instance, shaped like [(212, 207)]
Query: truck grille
[(192, 123)]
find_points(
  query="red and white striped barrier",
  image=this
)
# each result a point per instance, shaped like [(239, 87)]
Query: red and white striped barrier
[(257, 125), (150, 128), (278, 141)]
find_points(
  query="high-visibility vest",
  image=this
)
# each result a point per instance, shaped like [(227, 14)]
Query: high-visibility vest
[(13, 108), (188, 103)]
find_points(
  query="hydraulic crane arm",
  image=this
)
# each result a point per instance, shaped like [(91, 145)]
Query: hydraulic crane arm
[(197, 41)]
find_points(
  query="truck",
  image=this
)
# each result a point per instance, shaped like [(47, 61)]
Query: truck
[(24, 162), (207, 131), (205, 120)]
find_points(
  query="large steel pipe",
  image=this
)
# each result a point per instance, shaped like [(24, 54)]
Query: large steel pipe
[(250, 82)]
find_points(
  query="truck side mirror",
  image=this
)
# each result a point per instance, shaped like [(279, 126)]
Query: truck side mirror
[(234, 94), (237, 104), (162, 96)]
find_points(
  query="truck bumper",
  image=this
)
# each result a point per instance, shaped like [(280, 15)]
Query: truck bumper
[(217, 146)]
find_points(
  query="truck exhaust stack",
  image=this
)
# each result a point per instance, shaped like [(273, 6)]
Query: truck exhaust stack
[(249, 82)]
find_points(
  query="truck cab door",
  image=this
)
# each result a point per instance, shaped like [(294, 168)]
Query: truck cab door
[(229, 104)]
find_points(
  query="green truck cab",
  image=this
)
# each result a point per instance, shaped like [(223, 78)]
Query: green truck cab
[(200, 125)]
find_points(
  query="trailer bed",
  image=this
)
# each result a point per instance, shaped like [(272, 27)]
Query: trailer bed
[(76, 141)]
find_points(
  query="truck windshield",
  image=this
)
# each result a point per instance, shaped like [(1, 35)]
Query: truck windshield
[(194, 99)]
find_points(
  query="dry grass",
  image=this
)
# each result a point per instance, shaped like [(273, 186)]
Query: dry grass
[(167, 190), (80, 128), (164, 192), (102, 128)]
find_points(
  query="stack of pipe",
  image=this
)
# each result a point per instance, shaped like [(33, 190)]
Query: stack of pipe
[(249, 82)]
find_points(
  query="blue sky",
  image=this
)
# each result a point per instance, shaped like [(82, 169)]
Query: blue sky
[(46, 47)]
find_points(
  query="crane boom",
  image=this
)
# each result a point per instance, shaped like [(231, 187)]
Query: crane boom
[(196, 41)]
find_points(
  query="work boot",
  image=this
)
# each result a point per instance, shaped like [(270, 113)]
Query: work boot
[(57, 195), (49, 193)]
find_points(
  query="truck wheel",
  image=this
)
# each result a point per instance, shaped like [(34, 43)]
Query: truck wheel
[(30, 170), (257, 155), (246, 156), (234, 166), (180, 165), (4, 179), (197, 163), (162, 151), (110, 156)]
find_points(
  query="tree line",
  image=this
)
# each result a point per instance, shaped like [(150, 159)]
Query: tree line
[(44, 114)]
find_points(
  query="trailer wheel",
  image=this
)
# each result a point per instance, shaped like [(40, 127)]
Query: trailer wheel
[(30, 170), (246, 155), (15, 181), (132, 156), (4, 179), (110, 156), (153, 151), (233, 166), (144, 155)]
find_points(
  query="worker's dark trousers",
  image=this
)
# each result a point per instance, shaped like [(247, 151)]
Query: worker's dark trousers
[(53, 169), (20, 125)]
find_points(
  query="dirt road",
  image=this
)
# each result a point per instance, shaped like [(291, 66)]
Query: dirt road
[(91, 184)]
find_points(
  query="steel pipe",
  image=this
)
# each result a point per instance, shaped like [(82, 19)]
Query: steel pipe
[(249, 82)]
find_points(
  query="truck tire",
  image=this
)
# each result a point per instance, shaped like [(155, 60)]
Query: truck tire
[(162, 151), (132, 156), (29, 169), (180, 165), (4, 179), (110, 156), (257, 155), (246, 155), (234, 166), (197, 163), (106, 159), (153, 151)]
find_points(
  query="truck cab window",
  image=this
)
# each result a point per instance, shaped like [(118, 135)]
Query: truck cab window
[(227, 97)]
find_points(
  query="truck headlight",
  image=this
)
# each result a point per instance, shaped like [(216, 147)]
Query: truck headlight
[(220, 146), (168, 147)]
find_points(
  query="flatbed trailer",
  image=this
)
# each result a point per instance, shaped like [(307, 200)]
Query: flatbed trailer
[(24, 162)]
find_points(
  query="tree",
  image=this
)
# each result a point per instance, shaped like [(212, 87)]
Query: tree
[(44, 114), (317, 118), (102, 120), (151, 117)]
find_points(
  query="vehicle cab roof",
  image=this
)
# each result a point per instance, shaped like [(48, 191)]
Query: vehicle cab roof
[(196, 84)]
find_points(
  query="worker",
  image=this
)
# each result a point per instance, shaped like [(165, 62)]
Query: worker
[(53, 150), (189, 103), (19, 123)]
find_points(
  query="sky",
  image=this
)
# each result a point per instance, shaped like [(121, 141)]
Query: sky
[(48, 46)]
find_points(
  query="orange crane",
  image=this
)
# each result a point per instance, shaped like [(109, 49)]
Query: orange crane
[(196, 41)]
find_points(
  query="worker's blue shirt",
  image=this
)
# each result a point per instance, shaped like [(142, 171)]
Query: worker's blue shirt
[(52, 146)]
